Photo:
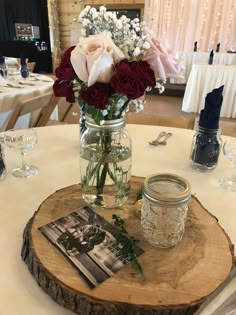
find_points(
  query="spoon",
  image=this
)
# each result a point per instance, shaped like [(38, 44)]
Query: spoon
[(163, 142)]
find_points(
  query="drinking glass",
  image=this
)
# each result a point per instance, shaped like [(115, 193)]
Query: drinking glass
[(229, 151), (22, 140)]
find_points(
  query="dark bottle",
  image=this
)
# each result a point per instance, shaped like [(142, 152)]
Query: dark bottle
[(3, 67), (195, 46), (24, 71), (211, 57), (218, 47), (205, 149)]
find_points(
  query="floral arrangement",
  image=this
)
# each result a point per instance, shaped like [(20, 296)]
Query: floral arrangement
[(115, 62)]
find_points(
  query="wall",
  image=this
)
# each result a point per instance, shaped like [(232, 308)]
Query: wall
[(66, 12), (69, 10)]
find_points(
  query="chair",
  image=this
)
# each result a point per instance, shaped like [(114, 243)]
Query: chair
[(160, 120), (44, 103)]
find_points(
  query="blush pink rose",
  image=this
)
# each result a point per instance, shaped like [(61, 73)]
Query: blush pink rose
[(162, 63), (94, 56)]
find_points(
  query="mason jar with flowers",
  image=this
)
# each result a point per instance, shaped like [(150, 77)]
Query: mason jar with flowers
[(108, 72)]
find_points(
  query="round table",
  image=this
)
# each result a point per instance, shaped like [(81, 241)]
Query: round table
[(57, 157), (15, 89)]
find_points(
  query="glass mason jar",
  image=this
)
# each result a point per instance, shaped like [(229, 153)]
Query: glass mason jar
[(105, 163), (164, 209), (205, 149), (2, 162)]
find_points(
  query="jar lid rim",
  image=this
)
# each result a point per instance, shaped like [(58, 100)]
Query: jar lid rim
[(181, 196), (119, 122)]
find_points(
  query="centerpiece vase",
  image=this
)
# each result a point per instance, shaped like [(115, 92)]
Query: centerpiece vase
[(105, 163)]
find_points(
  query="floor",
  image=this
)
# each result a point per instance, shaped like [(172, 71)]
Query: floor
[(159, 110)]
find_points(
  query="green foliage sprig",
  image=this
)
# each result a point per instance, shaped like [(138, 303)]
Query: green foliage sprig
[(127, 244)]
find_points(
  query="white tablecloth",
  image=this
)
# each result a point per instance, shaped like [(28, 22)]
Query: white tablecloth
[(199, 57), (57, 157), (10, 96), (202, 80)]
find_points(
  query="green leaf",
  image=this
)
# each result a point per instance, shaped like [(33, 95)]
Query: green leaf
[(127, 248)]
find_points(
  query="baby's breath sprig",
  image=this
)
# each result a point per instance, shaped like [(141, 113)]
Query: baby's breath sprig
[(126, 245), (126, 33)]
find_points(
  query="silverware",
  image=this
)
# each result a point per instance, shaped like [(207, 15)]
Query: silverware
[(158, 139), (26, 83), (13, 86), (41, 80), (164, 138)]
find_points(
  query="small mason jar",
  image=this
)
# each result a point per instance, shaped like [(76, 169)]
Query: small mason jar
[(164, 209), (205, 149)]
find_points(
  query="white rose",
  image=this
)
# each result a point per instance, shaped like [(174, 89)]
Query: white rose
[(94, 56)]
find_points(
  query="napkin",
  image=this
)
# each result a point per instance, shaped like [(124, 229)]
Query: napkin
[(218, 47), (210, 61), (22, 59), (210, 115)]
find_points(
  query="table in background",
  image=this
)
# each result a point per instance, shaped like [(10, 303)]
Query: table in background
[(199, 57), (57, 157), (202, 80), (14, 48), (10, 96)]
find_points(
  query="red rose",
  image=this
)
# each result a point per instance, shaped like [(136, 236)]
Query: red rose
[(65, 70), (146, 74), (126, 81), (64, 88), (97, 95)]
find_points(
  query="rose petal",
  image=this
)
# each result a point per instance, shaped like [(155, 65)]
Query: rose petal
[(102, 69), (78, 61), (92, 50)]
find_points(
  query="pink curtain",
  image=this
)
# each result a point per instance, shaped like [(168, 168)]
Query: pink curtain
[(179, 23)]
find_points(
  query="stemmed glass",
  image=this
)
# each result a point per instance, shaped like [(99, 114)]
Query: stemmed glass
[(22, 140), (229, 151)]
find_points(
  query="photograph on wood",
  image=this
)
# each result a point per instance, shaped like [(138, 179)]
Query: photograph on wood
[(89, 242)]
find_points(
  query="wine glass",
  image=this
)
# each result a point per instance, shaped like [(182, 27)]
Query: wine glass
[(22, 140), (229, 150)]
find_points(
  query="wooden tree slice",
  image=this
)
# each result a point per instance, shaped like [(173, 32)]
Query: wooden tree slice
[(176, 281)]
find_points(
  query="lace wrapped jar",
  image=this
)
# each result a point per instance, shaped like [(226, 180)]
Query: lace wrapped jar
[(206, 146), (164, 209), (105, 163)]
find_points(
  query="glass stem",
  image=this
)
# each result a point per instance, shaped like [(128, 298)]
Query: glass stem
[(23, 165)]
